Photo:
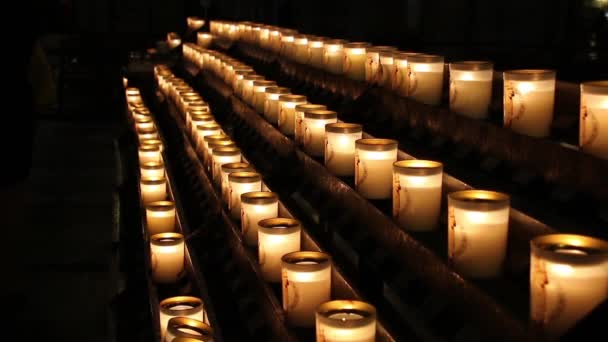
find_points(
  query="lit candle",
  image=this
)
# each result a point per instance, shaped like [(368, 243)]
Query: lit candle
[(147, 133), (198, 119), (181, 306), (271, 105), (478, 225), (257, 206), (247, 89), (160, 217), (220, 156), (188, 329), (214, 141), (528, 101), (227, 169), (167, 255), (149, 153), (315, 52), (259, 94), (204, 39), (203, 130), (471, 88), (240, 183), (287, 112), (152, 170), (152, 142), (401, 76), (354, 60), (314, 130), (306, 284), (333, 56), (340, 147), (346, 321), (125, 82), (372, 64), (300, 49), (299, 125), (173, 40), (274, 40), (287, 39), (276, 237), (425, 79), (568, 279), (140, 111), (593, 137), (195, 23), (264, 37), (386, 70), (133, 95), (417, 193), (144, 123), (153, 189), (237, 84), (374, 160)]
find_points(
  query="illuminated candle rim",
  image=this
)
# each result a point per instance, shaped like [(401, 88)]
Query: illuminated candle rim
[(265, 83), (153, 181), (326, 310), (547, 246), (175, 325), (300, 40), (292, 98), (166, 239), (309, 106), (160, 206), (277, 90), (404, 56), (279, 226), (147, 130), (343, 127), (480, 200), (242, 69), (207, 127), (132, 91), (376, 144), (380, 48), (356, 47), (418, 167), (152, 165), (181, 86), (259, 197), (214, 145), (167, 304), (202, 117), (144, 119), (595, 87), (387, 54), (244, 177), (322, 114), (204, 35), (226, 151), (195, 103), (149, 148), (138, 105), (152, 142), (424, 58), (254, 77), (306, 261), (142, 111), (529, 74), (188, 339), (237, 167), (472, 65), (210, 139)]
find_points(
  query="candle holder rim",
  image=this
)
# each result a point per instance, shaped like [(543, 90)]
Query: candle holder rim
[(529, 74), (418, 167), (176, 323), (479, 197), (325, 310), (471, 65), (143, 119), (266, 83), (236, 166), (320, 114), (339, 42), (207, 126), (387, 54), (187, 339), (204, 34), (225, 150), (293, 259), (282, 225), (151, 142), (132, 91), (202, 118), (153, 181), (215, 145), (425, 58), (277, 90), (149, 148), (376, 144), (595, 87), (292, 98), (166, 304), (216, 137), (167, 239), (343, 127), (545, 246), (356, 45), (259, 197), (309, 106), (160, 206), (152, 165), (380, 48), (244, 177), (404, 55)]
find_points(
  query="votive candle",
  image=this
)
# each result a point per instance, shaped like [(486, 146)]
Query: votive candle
[(180, 306), (354, 60), (299, 125), (160, 217), (227, 169), (189, 329), (593, 137), (271, 105), (276, 237), (167, 257), (223, 155), (240, 183), (315, 121), (333, 56), (152, 170), (153, 189), (259, 94), (425, 79), (374, 160), (471, 88), (256, 206), (287, 115), (340, 147), (346, 321)]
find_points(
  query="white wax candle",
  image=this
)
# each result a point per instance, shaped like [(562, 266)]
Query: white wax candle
[(149, 153), (299, 125), (275, 40), (227, 169), (237, 84), (528, 101), (354, 61), (346, 321), (147, 134), (340, 147), (259, 94), (203, 130), (417, 194), (471, 88), (214, 141), (314, 130), (374, 160), (333, 56), (153, 189), (255, 207), (271, 104), (276, 237), (167, 257), (152, 170), (240, 183), (593, 137), (247, 89), (287, 39), (568, 279), (160, 217), (287, 112), (221, 156), (306, 283), (315, 52), (425, 79), (478, 224), (300, 45), (188, 329), (204, 39), (144, 123), (386, 69), (181, 306)]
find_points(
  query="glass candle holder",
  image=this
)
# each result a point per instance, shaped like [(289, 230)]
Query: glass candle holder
[(195, 23), (333, 56), (528, 101), (315, 52), (180, 306), (354, 60), (314, 130), (205, 130), (167, 257), (223, 155), (160, 217), (340, 147), (402, 71), (259, 94), (247, 89), (299, 125), (300, 49), (153, 189), (173, 40), (147, 133), (152, 170), (240, 183), (144, 123), (276, 237), (237, 84), (417, 193), (156, 143), (199, 119), (478, 225), (271, 105), (149, 153), (227, 169), (287, 40), (256, 206), (204, 39), (212, 145), (141, 112), (372, 64), (471, 88), (374, 160), (568, 279), (188, 328), (386, 70), (306, 284), (593, 134), (425, 79), (212, 141), (133, 95), (346, 321), (287, 112)]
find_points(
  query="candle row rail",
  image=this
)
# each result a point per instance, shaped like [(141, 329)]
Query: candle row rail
[(179, 120), (179, 305), (529, 229)]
